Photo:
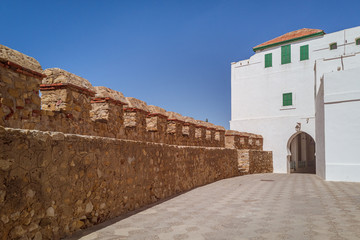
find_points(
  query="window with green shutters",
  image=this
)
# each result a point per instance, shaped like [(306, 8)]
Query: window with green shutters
[(268, 60), (333, 46), (287, 99), (357, 41), (285, 54), (304, 52)]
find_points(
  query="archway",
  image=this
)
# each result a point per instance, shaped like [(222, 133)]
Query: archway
[(302, 153)]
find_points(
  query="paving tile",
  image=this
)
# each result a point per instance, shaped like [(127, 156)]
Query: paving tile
[(259, 206)]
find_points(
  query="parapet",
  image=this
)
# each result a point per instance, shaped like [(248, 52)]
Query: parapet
[(136, 104), (105, 93), (243, 140), (220, 128), (70, 104), (107, 106), (66, 92), (173, 116), (56, 77), (155, 110), (20, 59), (156, 123), (20, 77), (190, 120)]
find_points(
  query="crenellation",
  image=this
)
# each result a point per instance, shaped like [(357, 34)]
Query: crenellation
[(175, 123), (135, 113), (156, 124), (210, 132), (59, 77), (220, 135), (19, 97), (107, 112), (238, 140), (217, 136), (70, 104), (10, 57), (107, 106), (188, 131), (200, 131), (68, 93), (76, 167), (255, 141)]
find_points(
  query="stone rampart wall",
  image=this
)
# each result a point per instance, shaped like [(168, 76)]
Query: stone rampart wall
[(54, 183), (75, 155), (70, 104)]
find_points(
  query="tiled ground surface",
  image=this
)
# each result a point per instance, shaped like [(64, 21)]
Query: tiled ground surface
[(263, 206)]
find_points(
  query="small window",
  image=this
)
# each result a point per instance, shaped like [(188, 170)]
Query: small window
[(285, 54), (357, 41), (333, 46), (287, 99), (304, 52), (268, 60)]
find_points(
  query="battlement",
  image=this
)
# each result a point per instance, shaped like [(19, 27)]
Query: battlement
[(70, 104), (73, 155)]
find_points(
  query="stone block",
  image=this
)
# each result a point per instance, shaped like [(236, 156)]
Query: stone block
[(6, 79), (13, 92), (59, 76), (8, 54), (20, 102), (20, 84), (36, 100), (130, 119), (152, 123)]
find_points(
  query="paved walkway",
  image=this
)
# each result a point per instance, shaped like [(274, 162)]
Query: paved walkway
[(262, 206)]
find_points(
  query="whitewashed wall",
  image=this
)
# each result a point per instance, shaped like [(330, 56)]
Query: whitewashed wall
[(256, 91), (342, 125)]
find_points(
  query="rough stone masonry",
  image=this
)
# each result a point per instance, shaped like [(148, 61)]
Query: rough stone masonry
[(80, 155)]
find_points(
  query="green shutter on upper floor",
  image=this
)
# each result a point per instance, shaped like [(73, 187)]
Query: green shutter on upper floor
[(287, 99), (285, 54), (304, 52), (268, 60)]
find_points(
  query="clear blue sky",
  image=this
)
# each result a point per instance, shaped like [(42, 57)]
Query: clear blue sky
[(173, 54)]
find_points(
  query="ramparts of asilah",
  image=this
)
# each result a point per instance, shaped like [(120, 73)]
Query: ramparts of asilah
[(80, 155)]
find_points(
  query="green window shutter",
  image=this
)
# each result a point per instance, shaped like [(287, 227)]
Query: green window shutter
[(285, 54), (287, 99), (357, 41), (268, 60), (333, 46), (304, 52)]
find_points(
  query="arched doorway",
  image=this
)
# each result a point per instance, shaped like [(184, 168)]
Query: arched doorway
[(302, 153)]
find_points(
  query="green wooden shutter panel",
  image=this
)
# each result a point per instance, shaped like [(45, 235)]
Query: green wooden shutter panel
[(287, 99), (268, 60), (304, 52), (285, 54), (358, 41)]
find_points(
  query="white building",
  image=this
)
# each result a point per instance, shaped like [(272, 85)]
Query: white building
[(301, 91)]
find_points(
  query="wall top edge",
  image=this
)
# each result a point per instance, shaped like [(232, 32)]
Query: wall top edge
[(11, 55)]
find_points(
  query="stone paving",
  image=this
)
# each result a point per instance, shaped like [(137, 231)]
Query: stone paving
[(261, 206)]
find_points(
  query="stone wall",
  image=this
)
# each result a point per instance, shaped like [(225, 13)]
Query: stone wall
[(55, 183), (79, 155), (254, 161)]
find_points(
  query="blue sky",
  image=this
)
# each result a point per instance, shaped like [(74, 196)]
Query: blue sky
[(173, 54)]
